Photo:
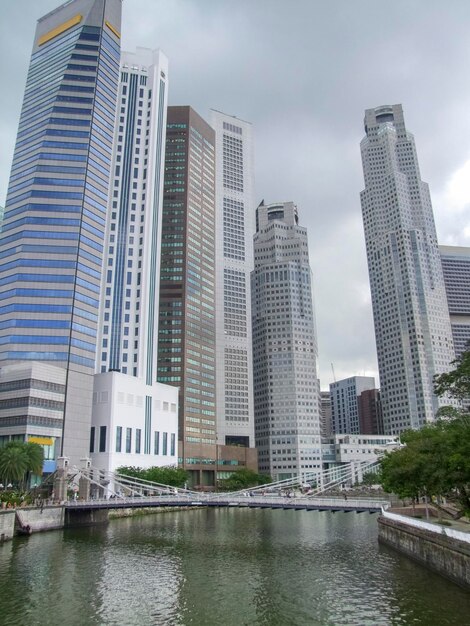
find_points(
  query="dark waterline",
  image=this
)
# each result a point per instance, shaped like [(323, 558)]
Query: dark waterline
[(222, 567)]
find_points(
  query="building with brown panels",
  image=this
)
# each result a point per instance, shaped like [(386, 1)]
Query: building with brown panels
[(186, 335), (370, 412)]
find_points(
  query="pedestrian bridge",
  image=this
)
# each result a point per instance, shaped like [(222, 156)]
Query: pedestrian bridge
[(97, 489), (296, 503)]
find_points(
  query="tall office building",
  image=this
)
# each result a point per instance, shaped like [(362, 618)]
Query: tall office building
[(186, 333), (235, 227), (286, 393), (344, 403), (325, 414), (52, 239), (456, 269), (412, 327), (370, 412), (134, 417)]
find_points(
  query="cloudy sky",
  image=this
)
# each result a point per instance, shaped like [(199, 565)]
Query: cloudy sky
[(303, 71)]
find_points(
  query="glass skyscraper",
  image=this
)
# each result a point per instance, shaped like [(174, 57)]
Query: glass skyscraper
[(51, 244)]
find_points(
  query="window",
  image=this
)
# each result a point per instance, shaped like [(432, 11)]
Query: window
[(156, 449), (102, 439), (165, 444), (118, 438), (173, 444), (138, 436), (128, 439), (92, 439)]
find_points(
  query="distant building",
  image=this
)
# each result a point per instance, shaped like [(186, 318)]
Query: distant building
[(287, 420), (344, 403), (456, 268), (412, 325), (351, 451), (325, 414), (370, 412)]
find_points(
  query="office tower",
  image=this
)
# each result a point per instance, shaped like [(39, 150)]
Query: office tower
[(370, 412), (235, 227), (286, 395), (412, 327), (2, 210), (186, 333), (344, 403), (54, 223), (134, 417), (325, 414), (456, 269)]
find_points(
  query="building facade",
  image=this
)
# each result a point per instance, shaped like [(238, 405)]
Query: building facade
[(370, 413), (412, 326), (235, 227), (135, 418), (286, 393), (51, 243), (325, 414), (186, 333), (456, 269), (344, 403)]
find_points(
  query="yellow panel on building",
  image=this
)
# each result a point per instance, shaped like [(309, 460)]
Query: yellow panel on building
[(58, 30), (42, 441)]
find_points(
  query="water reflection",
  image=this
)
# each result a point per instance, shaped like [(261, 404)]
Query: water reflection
[(231, 567)]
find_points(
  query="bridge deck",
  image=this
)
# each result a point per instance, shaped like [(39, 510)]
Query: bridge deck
[(358, 505)]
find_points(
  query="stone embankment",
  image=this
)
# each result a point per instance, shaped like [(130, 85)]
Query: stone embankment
[(442, 549)]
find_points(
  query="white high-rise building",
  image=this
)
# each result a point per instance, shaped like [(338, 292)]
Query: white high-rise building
[(134, 417), (412, 326), (235, 227), (286, 390)]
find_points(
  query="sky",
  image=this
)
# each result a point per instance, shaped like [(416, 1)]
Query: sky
[(303, 72)]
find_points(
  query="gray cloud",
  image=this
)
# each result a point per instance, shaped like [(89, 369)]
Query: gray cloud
[(302, 72)]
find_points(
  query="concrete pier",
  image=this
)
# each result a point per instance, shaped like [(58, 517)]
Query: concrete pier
[(7, 524)]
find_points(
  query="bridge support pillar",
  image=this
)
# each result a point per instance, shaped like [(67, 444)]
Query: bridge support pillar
[(85, 517), (60, 481), (84, 483)]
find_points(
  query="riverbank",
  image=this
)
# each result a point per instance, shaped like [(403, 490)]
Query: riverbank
[(438, 547)]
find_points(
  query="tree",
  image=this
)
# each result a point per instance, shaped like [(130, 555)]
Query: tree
[(456, 383), (243, 479), (167, 475), (18, 460), (13, 463)]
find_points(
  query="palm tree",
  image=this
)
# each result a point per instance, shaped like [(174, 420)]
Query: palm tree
[(13, 462), (18, 460)]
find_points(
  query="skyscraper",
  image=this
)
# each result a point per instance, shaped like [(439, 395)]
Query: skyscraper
[(235, 227), (412, 327), (186, 333), (456, 268), (134, 417), (53, 230), (129, 314), (286, 392)]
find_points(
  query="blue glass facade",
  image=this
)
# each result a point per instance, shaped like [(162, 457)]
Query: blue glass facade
[(51, 246)]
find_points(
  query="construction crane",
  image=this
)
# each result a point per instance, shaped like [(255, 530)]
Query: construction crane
[(333, 370)]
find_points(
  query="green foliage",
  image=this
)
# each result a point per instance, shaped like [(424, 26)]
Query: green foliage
[(168, 475), (243, 479), (434, 462), (18, 460), (370, 478), (455, 384)]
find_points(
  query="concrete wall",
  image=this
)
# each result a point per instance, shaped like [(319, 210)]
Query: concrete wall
[(7, 525), (445, 555), (34, 520)]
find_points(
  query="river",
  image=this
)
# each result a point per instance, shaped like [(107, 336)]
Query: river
[(222, 568)]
